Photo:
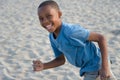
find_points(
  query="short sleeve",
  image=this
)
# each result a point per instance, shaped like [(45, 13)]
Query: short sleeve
[(78, 35)]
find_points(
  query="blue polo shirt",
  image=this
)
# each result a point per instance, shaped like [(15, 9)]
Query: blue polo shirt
[(72, 41)]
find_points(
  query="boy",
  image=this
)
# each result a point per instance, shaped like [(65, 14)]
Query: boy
[(75, 43)]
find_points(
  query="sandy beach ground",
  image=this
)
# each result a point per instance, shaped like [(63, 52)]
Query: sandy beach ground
[(22, 39)]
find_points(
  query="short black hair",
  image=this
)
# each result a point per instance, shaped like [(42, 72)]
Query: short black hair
[(50, 3)]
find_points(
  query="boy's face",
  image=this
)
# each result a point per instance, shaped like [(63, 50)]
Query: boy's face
[(49, 18)]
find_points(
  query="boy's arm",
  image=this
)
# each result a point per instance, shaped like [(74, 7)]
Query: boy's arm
[(38, 65), (55, 63), (100, 39)]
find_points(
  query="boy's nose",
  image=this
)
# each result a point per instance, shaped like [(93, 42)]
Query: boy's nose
[(45, 21)]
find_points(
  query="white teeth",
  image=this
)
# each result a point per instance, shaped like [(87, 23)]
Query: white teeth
[(49, 26)]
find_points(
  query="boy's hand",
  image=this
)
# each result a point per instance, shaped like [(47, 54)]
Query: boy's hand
[(104, 74), (37, 65)]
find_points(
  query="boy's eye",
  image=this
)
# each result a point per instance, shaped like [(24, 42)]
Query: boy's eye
[(41, 19)]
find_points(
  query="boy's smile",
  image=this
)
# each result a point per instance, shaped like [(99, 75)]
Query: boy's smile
[(49, 27), (50, 18)]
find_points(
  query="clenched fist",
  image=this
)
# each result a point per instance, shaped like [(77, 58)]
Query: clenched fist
[(37, 65)]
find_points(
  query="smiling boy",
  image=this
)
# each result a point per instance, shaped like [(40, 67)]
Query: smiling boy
[(74, 43)]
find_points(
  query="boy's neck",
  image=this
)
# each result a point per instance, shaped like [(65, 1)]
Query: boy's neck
[(56, 33)]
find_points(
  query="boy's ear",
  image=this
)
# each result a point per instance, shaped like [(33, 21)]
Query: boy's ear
[(60, 14)]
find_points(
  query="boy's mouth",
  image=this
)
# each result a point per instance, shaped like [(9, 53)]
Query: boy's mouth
[(48, 27)]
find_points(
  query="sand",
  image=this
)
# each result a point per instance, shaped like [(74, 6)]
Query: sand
[(22, 39)]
